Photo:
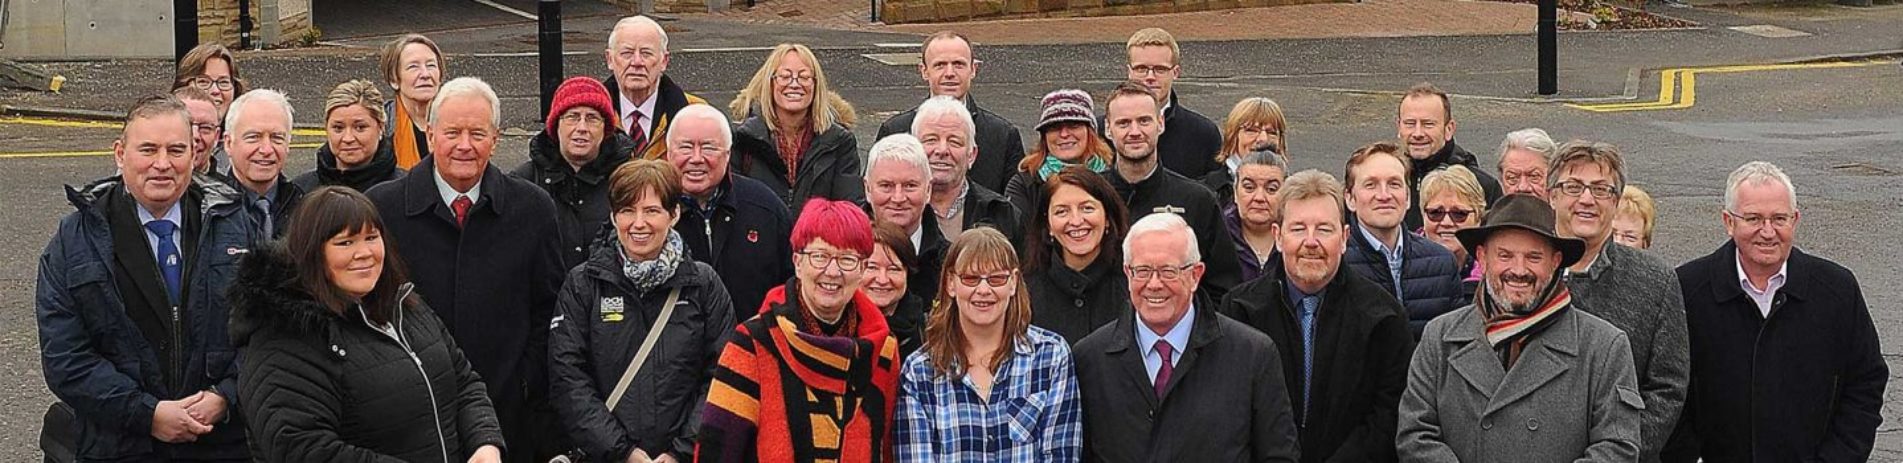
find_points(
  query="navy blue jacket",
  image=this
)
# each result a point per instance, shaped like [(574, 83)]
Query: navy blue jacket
[(1430, 277), (97, 359), (747, 238)]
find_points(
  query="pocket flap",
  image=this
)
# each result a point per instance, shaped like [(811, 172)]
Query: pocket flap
[(1631, 398)]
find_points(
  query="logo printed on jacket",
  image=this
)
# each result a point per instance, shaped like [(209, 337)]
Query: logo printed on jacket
[(611, 308)]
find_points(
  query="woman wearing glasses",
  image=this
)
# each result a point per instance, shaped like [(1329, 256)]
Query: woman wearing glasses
[(1073, 257), (211, 68), (797, 137), (1451, 199), (580, 144), (814, 375), (988, 386), (1254, 124)]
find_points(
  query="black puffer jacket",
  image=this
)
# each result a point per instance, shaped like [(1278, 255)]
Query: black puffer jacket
[(319, 386), (381, 168), (601, 322), (828, 169), (581, 198)]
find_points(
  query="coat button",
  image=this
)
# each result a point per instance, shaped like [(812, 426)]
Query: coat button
[(1532, 424), (1080, 303), (1486, 425), (548, 180)]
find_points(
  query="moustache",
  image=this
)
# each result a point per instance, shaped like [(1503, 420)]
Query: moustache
[(1525, 278)]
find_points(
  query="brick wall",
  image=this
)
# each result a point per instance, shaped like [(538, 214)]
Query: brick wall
[(917, 11)]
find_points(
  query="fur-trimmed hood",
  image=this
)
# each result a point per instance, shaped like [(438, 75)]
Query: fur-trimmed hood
[(266, 295)]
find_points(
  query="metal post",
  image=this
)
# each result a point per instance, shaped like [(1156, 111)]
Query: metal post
[(184, 28), (1549, 47), (548, 39), (244, 24)]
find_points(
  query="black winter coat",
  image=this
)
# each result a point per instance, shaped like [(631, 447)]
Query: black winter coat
[(582, 211), (828, 169), (1450, 154), (322, 386), (1189, 142), (1226, 400), (1362, 350), (907, 322), (1430, 278), (1025, 190), (1804, 384), (747, 238), (381, 168), (1074, 304), (1172, 192), (1000, 147), (493, 281), (588, 353)]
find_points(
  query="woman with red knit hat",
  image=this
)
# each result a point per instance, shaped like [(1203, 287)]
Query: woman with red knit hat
[(813, 376), (571, 160)]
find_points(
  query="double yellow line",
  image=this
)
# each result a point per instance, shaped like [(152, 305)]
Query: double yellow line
[(1678, 88)]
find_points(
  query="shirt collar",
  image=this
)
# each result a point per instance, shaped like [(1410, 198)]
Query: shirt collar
[(174, 214), (1178, 336), (1392, 254), (1776, 280), (628, 107), (449, 193), (918, 237), (1295, 294)]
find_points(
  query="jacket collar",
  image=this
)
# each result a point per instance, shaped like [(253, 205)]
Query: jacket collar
[(1207, 329), (1724, 276), (784, 300), (215, 197), (420, 195), (545, 154), (382, 164)]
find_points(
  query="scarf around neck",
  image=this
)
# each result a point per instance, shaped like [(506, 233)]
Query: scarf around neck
[(649, 274), (403, 138), (1052, 164), (1508, 330)]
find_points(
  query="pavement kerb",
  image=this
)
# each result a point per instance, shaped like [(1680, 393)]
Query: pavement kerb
[(89, 115)]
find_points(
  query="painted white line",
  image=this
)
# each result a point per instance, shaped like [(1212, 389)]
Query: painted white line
[(896, 45), (722, 49), (506, 9)]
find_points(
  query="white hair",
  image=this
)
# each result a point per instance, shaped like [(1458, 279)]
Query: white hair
[(466, 87), (941, 105), (703, 111), (236, 113), (902, 147), (1530, 139), (1757, 172), (1162, 222), (637, 20)]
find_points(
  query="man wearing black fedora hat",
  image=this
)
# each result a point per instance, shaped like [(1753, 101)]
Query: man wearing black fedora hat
[(1520, 375)]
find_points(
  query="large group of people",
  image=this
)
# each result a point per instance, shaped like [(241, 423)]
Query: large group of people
[(665, 281)]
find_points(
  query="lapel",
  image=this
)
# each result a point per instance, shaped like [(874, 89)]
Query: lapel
[(1125, 354), (1548, 355), (1206, 330), (136, 255), (1473, 359)]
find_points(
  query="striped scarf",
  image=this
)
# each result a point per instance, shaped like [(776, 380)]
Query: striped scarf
[(1508, 330)]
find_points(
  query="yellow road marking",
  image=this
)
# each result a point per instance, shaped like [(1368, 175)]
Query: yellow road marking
[(1678, 88), (74, 154), (64, 123)]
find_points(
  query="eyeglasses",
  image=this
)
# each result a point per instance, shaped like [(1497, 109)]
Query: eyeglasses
[(1438, 213), (1166, 273), (818, 261), (787, 78), (1261, 130), (582, 117), (206, 83), (1155, 70), (1600, 191), (996, 280), (1778, 221)]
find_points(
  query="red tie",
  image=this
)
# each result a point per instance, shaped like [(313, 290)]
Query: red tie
[(461, 206), (1163, 373), (635, 131)]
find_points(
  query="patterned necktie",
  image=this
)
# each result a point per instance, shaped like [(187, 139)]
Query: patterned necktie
[(264, 211), (1163, 372), (169, 264), (635, 131), (1308, 349), (461, 206)]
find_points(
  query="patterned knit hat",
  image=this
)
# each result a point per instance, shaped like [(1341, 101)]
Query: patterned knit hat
[(582, 91), (1068, 105)]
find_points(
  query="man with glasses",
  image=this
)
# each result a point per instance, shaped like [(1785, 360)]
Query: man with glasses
[(1422, 274), (1635, 291), (571, 160), (207, 130), (1345, 351), (731, 222), (644, 97), (1189, 141), (1173, 380), (221, 91), (1789, 367)]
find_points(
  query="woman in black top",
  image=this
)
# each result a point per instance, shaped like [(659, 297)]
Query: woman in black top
[(1073, 254), (342, 361), (890, 266), (355, 153), (797, 138)]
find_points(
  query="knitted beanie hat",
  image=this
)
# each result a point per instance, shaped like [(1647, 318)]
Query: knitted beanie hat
[(582, 91), (1068, 105)]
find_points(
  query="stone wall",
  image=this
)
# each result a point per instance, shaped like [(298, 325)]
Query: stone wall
[(918, 11), (218, 21)]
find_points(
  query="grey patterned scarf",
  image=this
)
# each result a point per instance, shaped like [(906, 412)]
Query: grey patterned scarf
[(649, 274)]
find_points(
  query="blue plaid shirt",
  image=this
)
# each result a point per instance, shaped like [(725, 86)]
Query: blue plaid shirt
[(1034, 414)]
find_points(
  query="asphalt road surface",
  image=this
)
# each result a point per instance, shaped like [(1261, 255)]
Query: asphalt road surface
[(1837, 131)]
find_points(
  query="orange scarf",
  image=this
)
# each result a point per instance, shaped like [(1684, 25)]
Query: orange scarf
[(403, 138)]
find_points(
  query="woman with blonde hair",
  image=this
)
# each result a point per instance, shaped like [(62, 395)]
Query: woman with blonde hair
[(984, 367), (354, 154), (1452, 199), (797, 136), (1638, 214), (1254, 124)]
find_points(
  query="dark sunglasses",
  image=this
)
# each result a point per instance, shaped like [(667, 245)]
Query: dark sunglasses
[(1438, 213)]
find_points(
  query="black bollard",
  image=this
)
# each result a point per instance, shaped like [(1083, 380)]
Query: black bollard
[(549, 43), (184, 29), (1549, 47)]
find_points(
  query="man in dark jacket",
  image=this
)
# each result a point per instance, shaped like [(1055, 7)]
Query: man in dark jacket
[(898, 184), (1134, 123), (729, 221), (1344, 344), (1412, 268), (1630, 289), (259, 141), (644, 97), (1173, 380), (1426, 123), (1189, 142), (130, 302), (958, 203), (948, 67), (571, 160), (1786, 365), (483, 250)]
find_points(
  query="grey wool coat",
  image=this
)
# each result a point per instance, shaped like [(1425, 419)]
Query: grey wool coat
[(1639, 293), (1571, 397)]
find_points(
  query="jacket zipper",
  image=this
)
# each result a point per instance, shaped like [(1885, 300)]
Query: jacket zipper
[(178, 347), (441, 442)]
